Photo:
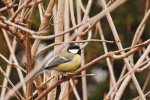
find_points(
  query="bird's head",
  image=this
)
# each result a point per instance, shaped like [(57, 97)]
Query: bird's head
[(74, 49)]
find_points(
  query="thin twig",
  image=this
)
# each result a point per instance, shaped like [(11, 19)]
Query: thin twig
[(20, 74), (20, 27), (35, 70), (17, 92), (6, 7), (9, 90), (11, 64), (81, 41)]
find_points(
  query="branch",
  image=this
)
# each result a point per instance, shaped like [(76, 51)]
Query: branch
[(9, 90), (34, 49), (35, 70), (11, 64), (29, 66), (4, 74), (109, 54), (70, 42), (9, 23), (6, 7)]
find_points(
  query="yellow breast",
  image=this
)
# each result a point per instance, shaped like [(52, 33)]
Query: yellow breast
[(70, 66)]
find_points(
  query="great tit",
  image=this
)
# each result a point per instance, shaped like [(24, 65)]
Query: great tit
[(68, 60)]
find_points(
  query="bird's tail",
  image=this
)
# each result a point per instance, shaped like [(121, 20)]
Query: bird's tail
[(40, 72)]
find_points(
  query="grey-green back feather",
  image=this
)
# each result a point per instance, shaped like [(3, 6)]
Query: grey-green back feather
[(60, 59)]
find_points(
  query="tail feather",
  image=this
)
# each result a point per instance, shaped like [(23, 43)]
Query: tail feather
[(40, 72)]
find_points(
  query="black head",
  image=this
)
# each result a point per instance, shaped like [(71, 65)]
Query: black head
[(74, 49)]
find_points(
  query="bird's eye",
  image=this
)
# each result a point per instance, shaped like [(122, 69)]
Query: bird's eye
[(73, 50)]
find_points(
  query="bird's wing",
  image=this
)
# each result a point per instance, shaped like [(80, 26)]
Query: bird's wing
[(57, 61)]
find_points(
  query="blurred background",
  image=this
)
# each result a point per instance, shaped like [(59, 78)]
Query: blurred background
[(126, 18)]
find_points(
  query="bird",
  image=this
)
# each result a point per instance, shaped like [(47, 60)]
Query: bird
[(67, 61)]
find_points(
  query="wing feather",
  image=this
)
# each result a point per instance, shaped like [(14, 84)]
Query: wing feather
[(57, 61)]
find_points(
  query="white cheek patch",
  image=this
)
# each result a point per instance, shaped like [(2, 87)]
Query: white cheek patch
[(74, 51)]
